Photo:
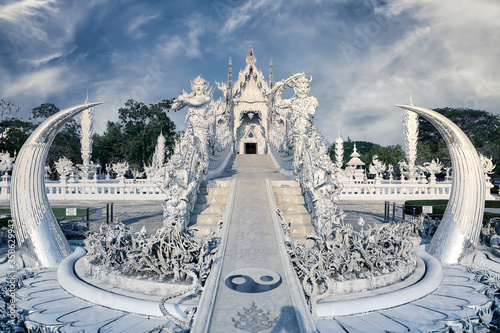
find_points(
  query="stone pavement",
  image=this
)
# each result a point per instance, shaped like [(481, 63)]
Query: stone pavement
[(455, 300), (54, 308)]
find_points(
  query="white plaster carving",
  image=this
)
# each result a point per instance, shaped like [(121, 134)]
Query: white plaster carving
[(64, 167), (41, 241), (339, 152), (410, 123), (88, 168), (120, 168), (459, 230)]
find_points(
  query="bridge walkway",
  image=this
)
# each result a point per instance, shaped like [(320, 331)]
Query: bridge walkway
[(254, 289)]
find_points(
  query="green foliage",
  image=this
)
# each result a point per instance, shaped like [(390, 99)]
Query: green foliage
[(390, 155), (44, 111), (133, 138), (482, 128), (14, 133), (66, 142)]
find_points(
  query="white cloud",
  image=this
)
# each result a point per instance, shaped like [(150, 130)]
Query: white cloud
[(447, 56), (16, 10), (241, 15), (134, 28), (170, 46), (41, 83)]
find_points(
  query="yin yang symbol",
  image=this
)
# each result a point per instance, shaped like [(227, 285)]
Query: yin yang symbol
[(252, 280)]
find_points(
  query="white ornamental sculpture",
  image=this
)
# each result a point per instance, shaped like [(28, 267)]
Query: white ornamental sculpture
[(6, 162), (158, 157), (488, 166), (377, 167), (40, 239), (120, 168), (458, 232), (137, 173), (433, 168), (88, 169), (198, 103), (410, 123), (64, 168), (339, 152)]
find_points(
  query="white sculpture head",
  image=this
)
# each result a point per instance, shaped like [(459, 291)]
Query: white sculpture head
[(199, 86), (301, 86)]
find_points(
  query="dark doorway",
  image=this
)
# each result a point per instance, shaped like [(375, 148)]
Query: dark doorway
[(250, 148)]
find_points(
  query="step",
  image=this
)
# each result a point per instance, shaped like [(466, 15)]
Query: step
[(297, 208), (201, 230), (300, 231), (297, 218), (224, 191), (204, 209), (212, 199), (205, 219), (287, 191), (284, 183), (289, 199)]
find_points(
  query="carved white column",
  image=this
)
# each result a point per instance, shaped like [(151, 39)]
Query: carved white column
[(159, 156), (458, 233), (339, 151), (86, 139), (40, 239), (87, 133), (410, 123)]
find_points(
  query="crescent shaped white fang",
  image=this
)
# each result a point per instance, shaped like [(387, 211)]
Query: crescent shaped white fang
[(40, 239), (458, 233)]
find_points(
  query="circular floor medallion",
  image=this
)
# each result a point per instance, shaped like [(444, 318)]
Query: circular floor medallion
[(252, 280)]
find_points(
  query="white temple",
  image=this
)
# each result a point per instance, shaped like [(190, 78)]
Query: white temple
[(249, 108)]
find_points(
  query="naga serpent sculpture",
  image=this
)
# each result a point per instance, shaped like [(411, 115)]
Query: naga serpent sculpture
[(458, 233), (40, 239)]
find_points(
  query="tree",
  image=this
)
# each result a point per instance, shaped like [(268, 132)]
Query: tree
[(134, 136), (388, 155), (66, 142), (7, 108), (482, 128), (44, 111), (14, 133)]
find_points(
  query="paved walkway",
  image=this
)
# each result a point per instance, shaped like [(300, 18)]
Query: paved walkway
[(253, 278)]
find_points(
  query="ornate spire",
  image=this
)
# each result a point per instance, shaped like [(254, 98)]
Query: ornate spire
[(271, 82), (339, 137), (250, 57), (230, 73), (410, 123), (339, 151)]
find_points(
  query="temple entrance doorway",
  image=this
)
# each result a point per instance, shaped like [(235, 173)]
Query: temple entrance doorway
[(250, 148)]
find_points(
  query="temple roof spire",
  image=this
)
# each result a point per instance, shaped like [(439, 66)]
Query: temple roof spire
[(250, 57), (271, 79)]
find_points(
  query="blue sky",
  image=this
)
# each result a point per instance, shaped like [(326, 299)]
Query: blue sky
[(364, 56)]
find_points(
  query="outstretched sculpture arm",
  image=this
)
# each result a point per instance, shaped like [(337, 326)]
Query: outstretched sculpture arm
[(459, 230), (40, 239)]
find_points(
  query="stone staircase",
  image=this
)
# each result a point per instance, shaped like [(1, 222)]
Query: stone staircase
[(289, 199), (209, 207)]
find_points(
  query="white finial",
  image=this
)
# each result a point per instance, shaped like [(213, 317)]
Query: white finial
[(411, 101), (250, 57), (87, 100), (355, 149)]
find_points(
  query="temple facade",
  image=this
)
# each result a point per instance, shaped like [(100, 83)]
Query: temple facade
[(248, 103)]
